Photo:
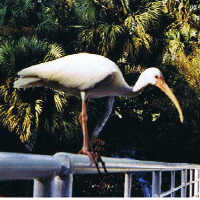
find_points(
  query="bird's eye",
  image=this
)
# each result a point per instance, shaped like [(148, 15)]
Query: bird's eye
[(156, 76)]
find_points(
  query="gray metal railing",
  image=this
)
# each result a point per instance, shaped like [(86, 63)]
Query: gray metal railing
[(53, 175)]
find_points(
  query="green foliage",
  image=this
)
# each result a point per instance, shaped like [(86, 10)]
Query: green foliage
[(127, 32), (84, 11), (18, 13), (34, 18), (182, 44), (13, 53), (135, 34), (18, 111)]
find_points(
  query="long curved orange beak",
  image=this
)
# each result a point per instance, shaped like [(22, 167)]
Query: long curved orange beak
[(164, 87)]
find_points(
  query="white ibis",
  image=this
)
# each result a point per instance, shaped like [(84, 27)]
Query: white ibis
[(90, 76)]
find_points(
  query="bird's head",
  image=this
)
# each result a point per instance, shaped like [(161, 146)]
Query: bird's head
[(149, 76), (154, 76)]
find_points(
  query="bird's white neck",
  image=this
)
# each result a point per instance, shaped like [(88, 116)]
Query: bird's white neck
[(130, 91)]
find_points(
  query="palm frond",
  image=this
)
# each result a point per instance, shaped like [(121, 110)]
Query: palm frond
[(87, 38), (130, 23), (125, 6), (139, 24), (55, 51), (38, 111), (189, 67), (151, 17), (7, 59), (108, 36), (115, 32), (60, 100), (17, 112), (145, 38)]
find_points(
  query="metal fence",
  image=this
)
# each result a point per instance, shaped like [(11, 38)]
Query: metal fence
[(53, 175)]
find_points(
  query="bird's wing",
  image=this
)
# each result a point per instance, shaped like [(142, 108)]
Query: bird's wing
[(79, 71)]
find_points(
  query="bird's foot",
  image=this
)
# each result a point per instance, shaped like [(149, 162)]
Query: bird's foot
[(91, 156), (95, 157)]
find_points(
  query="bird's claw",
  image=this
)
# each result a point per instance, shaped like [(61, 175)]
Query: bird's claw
[(92, 158), (95, 158)]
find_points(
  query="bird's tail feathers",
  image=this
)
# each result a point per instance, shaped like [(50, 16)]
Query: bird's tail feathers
[(27, 82)]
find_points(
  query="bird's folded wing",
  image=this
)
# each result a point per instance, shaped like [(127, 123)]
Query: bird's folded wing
[(80, 72)]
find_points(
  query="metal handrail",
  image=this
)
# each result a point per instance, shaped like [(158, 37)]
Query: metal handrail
[(53, 175)]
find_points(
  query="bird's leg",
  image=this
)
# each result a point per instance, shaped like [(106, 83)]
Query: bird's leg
[(83, 121), (85, 148)]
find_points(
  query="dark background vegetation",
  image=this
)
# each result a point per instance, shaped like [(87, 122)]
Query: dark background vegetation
[(136, 35)]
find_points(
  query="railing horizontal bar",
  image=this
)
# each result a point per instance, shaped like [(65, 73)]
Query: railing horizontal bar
[(192, 182), (82, 165), (91, 170), (170, 191), (166, 193), (53, 174), (173, 190), (15, 166), (30, 166), (177, 188)]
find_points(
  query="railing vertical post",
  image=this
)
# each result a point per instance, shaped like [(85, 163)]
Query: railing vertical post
[(199, 183), (172, 183), (156, 184), (183, 182), (53, 187), (191, 184), (62, 187), (196, 188), (127, 185), (42, 187)]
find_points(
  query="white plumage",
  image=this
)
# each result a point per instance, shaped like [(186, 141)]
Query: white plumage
[(73, 73), (90, 76)]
